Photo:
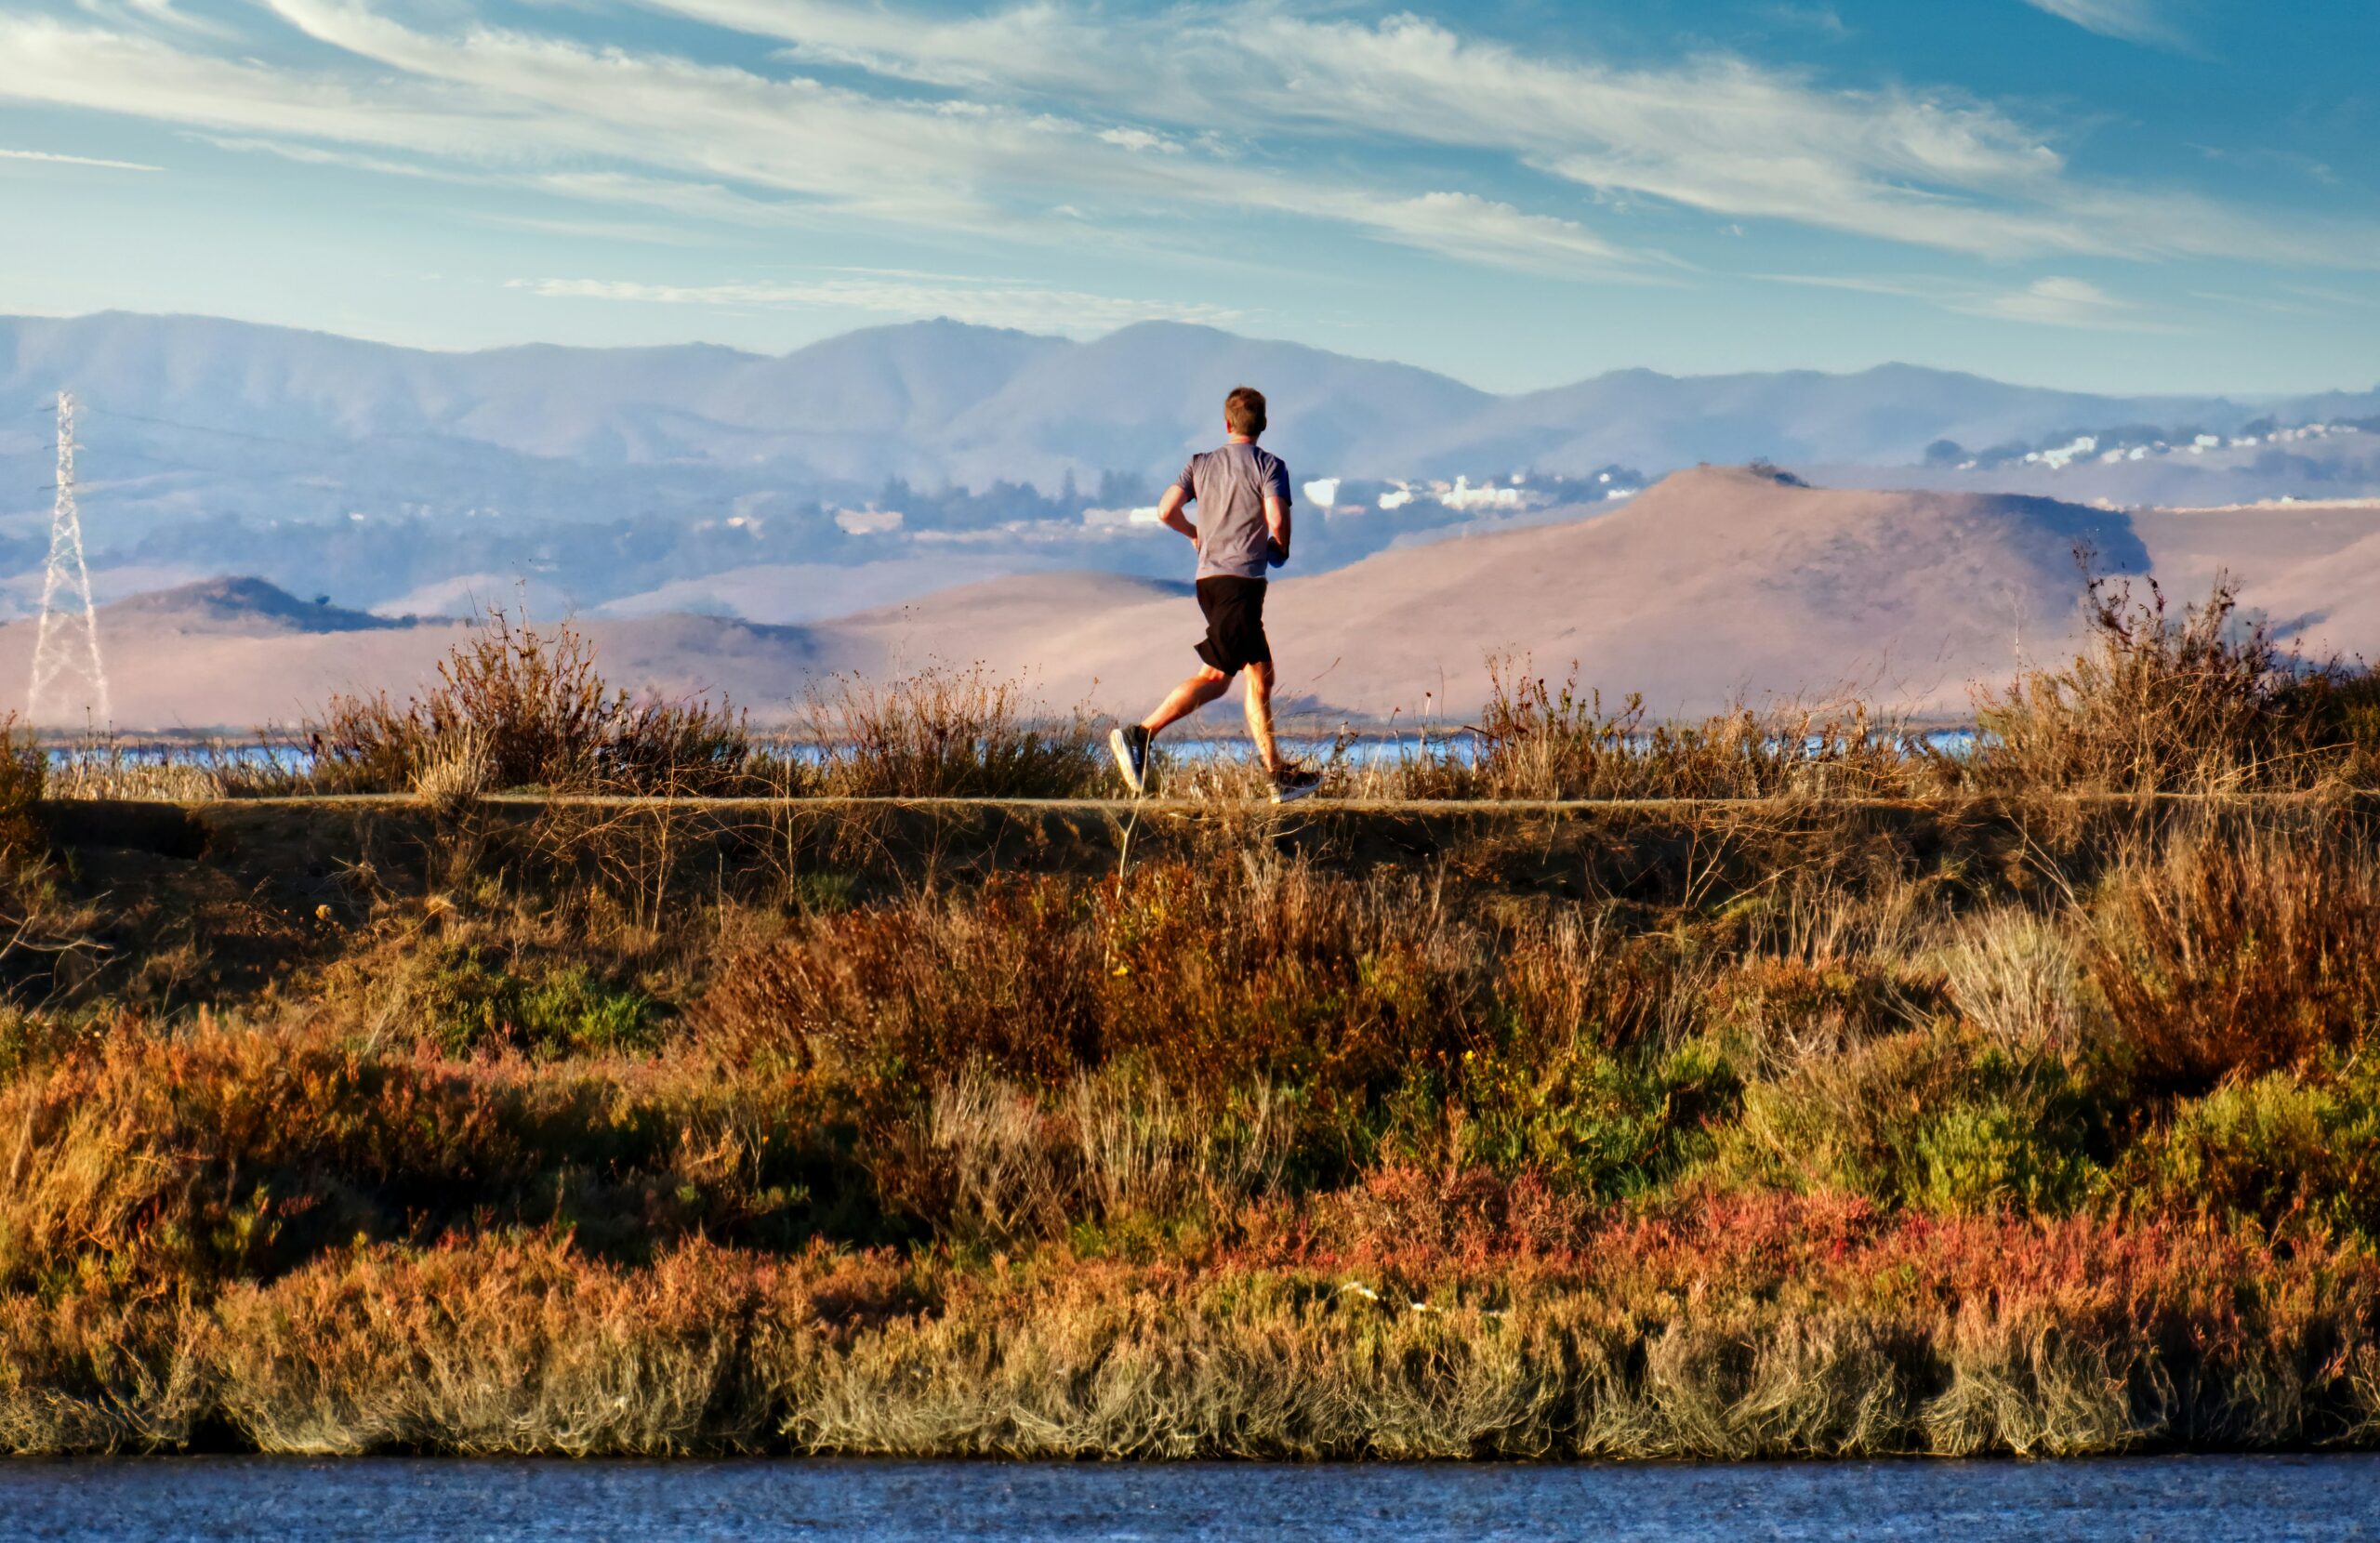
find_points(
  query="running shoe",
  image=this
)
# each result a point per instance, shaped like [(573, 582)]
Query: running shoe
[(1292, 783), (1131, 746)]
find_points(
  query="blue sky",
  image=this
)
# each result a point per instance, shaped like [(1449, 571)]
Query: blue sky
[(2105, 194)]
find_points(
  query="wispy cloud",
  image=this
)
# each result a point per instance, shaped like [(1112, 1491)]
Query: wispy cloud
[(542, 106), (644, 232), (2065, 303), (2054, 301), (317, 155), (2133, 21), (983, 302), (1726, 136), (165, 12), (51, 158), (1054, 120)]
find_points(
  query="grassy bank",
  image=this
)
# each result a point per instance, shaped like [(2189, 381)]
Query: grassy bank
[(1921, 1109)]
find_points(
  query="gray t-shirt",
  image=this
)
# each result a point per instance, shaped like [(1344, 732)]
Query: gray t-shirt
[(1228, 483)]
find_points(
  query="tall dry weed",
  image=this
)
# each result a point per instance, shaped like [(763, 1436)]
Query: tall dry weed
[(946, 733), (24, 779), (1537, 740), (540, 714), (2205, 702), (2017, 976)]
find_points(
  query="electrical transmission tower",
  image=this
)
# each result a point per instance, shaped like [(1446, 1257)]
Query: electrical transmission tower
[(67, 649)]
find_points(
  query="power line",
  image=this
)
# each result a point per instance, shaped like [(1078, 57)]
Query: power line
[(204, 428)]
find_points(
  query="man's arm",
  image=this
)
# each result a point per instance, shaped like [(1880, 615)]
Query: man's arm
[(1168, 513), (1276, 520)]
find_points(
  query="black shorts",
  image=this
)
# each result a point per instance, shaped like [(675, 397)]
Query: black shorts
[(1235, 609)]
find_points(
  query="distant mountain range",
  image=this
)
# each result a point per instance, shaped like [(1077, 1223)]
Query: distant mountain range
[(647, 479)]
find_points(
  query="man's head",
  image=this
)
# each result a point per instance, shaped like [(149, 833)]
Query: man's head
[(1244, 411)]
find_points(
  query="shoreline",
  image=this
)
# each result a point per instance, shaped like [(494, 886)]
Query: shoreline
[(520, 1348)]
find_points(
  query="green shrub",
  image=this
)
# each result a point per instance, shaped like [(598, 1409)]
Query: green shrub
[(467, 1005), (2001, 1155), (2268, 1147), (1934, 1118), (1607, 1124)]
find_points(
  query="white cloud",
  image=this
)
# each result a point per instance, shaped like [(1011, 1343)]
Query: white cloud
[(1056, 119), (983, 302), (704, 201), (707, 137), (1464, 225), (971, 166), (315, 156), (162, 12), (49, 158), (2133, 21), (2054, 301), (2063, 303), (1718, 134), (114, 73), (645, 232), (1139, 139)]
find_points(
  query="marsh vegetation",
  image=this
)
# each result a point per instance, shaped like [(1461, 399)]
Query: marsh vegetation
[(1917, 1106)]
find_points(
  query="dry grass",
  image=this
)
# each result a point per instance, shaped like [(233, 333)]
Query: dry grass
[(2238, 949), (532, 707), (106, 764), (1537, 740), (949, 733), (2203, 703), (455, 774), (2018, 977)]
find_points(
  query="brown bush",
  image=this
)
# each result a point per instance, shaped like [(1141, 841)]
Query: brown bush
[(1216, 976), (2237, 948), (24, 768), (2154, 702), (1007, 974), (532, 706), (944, 733)]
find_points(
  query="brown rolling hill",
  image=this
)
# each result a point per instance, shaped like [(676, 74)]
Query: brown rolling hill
[(1716, 585)]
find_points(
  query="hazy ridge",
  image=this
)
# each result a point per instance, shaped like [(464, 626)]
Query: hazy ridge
[(632, 482)]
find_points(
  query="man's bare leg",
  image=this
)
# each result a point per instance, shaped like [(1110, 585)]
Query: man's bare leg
[(1187, 698), (1260, 714)]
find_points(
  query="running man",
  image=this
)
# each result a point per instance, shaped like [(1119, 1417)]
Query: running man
[(1243, 497)]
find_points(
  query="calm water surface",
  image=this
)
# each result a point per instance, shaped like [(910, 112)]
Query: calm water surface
[(2250, 1499)]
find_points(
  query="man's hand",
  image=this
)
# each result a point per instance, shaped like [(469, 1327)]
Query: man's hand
[(1276, 521)]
